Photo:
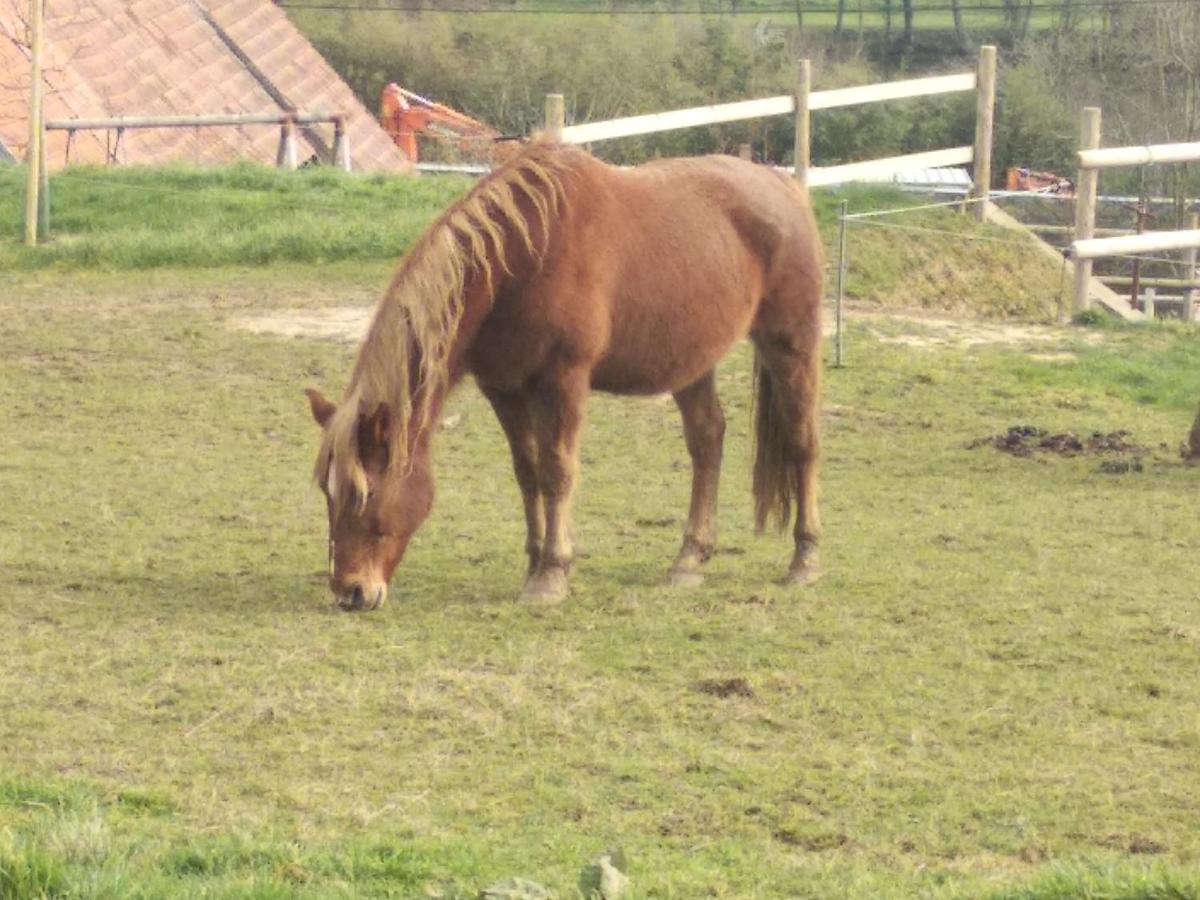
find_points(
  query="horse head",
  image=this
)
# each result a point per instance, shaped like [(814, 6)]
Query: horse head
[(374, 507)]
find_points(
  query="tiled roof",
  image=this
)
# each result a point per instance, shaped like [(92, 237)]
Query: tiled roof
[(179, 57)]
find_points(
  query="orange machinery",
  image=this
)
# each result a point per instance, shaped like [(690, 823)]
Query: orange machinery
[(1022, 179), (405, 115)]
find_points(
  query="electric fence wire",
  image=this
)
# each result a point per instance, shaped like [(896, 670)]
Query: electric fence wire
[(941, 232)]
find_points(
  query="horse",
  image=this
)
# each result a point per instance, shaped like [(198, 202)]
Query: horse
[(558, 274)]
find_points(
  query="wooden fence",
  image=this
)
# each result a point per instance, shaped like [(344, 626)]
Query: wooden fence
[(1086, 246), (802, 104)]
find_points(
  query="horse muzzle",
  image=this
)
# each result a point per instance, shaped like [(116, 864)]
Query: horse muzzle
[(362, 600)]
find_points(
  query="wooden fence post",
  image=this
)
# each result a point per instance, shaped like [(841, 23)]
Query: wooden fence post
[(556, 117), (1085, 205), (985, 111), (33, 154), (803, 152)]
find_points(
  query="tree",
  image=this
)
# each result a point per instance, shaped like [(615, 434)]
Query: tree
[(960, 32)]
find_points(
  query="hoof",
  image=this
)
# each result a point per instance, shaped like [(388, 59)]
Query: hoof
[(687, 578), (546, 588), (802, 576)]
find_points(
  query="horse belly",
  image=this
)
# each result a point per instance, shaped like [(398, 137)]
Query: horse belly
[(666, 346)]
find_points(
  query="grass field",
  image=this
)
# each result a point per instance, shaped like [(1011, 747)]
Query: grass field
[(992, 693), (249, 216), (928, 15)]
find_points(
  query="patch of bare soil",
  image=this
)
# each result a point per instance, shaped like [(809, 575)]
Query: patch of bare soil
[(1133, 843), (347, 324), (1026, 440), (726, 687), (940, 331)]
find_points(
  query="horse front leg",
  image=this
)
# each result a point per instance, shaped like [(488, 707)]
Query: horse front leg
[(512, 409), (557, 404), (704, 431)]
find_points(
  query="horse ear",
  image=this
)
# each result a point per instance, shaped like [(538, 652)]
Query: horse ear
[(322, 409), (373, 433)]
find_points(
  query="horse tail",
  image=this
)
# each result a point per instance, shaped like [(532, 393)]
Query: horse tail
[(775, 470)]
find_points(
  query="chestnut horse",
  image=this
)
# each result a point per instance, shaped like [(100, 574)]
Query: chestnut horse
[(558, 274)]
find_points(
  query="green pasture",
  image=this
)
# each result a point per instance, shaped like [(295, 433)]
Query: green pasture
[(869, 15), (140, 219), (245, 214), (992, 692)]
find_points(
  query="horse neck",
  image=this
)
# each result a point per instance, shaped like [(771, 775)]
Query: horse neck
[(477, 303)]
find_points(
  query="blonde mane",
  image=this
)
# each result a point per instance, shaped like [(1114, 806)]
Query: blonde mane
[(418, 318)]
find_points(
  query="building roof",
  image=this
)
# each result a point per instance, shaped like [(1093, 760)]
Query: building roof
[(109, 58)]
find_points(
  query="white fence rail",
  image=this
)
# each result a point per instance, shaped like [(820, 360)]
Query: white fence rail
[(1138, 156), (591, 132), (892, 90), (1150, 242), (785, 105), (802, 104)]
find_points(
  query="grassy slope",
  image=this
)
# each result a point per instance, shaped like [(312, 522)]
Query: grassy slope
[(137, 219), (141, 218)]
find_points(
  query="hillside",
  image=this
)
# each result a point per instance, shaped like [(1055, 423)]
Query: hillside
[(178, 217)]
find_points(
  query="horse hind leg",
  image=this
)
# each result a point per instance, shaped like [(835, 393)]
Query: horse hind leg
[(704, 432), (787, 441)]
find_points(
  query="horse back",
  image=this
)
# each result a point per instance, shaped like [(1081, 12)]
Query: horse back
[(651, 273)]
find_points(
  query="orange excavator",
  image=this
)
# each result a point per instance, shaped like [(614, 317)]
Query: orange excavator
[(1019, 178), (405, 115)]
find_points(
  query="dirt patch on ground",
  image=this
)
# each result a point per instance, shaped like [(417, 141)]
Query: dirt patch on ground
[(1026, 440), (725, 687), (939, 331), (1137, 844), (347, 324)]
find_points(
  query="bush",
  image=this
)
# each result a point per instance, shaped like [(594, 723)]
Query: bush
[(1034, 127)]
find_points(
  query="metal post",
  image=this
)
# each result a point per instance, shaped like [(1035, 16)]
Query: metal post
[(556, 117), (1085, 205), (33, 153), (985, 108), (802, 157), (341, 145), (1141, 213), (1190, 296), (286, 157), (841, 282)]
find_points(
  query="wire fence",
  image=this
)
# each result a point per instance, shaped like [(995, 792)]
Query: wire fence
[(884, 219)]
